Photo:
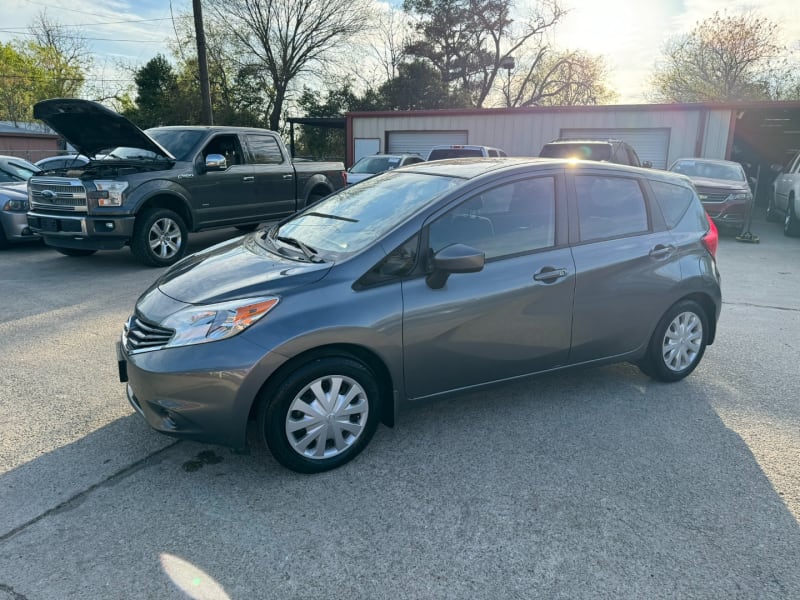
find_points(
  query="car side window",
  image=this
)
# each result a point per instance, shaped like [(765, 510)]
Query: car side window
[(673, 200), (228, 146), (609, 207), (510, 219), (264, 149)]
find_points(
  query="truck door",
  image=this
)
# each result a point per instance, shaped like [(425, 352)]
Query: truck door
[(275, 194), (222, 197)]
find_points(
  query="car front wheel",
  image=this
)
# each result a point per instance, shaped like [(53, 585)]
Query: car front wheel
[(321, 415), (678, 342), (791, 224)]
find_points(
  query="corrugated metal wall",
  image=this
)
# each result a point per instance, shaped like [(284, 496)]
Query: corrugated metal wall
[(523, 133)]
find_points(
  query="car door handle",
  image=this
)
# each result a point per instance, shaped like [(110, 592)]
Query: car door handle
[(288, 176), (249, 178), (662, 251), (549, 274)]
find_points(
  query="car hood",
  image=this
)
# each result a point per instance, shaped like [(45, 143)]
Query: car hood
[(239, 268), (91, 127), (14, 190), (719, 184)]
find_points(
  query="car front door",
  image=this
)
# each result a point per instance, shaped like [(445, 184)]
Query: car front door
[(626, 266), (275, 177), (783, 183), (221, 197), (511, 318)]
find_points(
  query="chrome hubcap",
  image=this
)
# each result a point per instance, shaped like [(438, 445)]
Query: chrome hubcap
[(682, 341), (165, 238), (327, 417)]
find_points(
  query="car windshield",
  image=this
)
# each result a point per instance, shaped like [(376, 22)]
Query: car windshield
[(708, 170), (17, 170), (179, 143), (577, 150), (376, 164), (355, 217)]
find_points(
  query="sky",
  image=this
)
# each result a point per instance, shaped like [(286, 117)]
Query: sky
[(628, 33)]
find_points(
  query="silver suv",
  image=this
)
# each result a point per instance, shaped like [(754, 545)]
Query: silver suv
[(785, 202), (461, 151)]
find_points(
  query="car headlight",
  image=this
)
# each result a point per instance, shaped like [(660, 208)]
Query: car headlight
[(739, 196), (214, 322), (108, 193), (13, 204)]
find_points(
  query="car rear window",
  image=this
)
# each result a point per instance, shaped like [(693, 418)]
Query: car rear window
[(376, 164), (577, 150), (442, 153), (673, 200)]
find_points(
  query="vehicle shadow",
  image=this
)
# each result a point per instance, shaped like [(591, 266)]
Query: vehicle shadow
[(599, 483)]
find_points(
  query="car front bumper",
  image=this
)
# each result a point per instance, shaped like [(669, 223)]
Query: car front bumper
[(202, 392), (15, 226)]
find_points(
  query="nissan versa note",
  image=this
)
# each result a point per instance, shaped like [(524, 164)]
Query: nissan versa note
[(433, 279)]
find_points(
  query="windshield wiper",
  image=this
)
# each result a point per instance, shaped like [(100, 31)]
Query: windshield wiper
[(309, 252), (327, 216)]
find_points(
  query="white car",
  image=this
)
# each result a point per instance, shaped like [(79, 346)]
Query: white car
[(785, 201), (368, 166)]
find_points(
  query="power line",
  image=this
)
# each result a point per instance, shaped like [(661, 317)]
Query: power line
[(9, 29), (93, 39)]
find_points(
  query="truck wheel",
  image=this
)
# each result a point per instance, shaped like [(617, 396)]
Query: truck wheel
[(159, 237), (75, 251)]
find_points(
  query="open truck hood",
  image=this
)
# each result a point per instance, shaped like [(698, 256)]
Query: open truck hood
[(91, 127)]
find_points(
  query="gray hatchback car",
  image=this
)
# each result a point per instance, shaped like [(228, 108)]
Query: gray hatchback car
[(433, 279)]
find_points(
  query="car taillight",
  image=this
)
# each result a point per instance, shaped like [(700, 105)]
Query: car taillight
[(711, 238)]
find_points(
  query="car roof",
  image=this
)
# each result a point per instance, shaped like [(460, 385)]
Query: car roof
[(586, 141), (710, 161)]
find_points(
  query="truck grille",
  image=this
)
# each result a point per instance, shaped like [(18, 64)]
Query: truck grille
[(141, 335), (57, 194)]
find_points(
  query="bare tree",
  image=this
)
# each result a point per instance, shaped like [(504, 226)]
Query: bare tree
[(291, 37), (724, 58), (63, 53)]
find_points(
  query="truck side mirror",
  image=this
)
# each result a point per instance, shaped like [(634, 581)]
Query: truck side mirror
[(214, 162)]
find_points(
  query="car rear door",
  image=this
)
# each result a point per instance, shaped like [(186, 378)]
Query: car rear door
[(513, 317), (626, 262), (275, 177)]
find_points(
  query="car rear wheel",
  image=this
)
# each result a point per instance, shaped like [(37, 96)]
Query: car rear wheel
[(75, 251), (159, 238), (321, 415), (791, 224), (678, 342)]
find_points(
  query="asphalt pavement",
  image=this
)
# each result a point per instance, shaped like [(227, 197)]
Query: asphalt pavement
[(593, 484)]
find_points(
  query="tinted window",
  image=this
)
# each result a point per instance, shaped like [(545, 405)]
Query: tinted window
[(609, 207), (179, 142), (673, 200), (375, 164), (578, 151), (453, 153), (510, 219), (264, 150), (15, 170)]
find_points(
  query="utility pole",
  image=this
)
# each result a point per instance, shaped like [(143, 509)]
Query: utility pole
[(207, 116)]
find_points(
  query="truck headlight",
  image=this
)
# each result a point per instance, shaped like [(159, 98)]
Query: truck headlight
[(213, 322), (108, 193)]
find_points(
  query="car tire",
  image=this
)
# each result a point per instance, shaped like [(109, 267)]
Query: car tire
[(159, 238), (75, 251), (772, 212), (678, 342), (791, 224), (3, 239), (345, 423)]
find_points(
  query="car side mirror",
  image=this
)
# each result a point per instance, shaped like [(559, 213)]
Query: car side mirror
[(214, 162), (647, 164), (456, 258)]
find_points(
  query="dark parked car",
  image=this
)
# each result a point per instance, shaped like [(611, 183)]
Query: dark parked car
[(615, 151), (367, 166), (723, 189), (474, 272), (14, 172)]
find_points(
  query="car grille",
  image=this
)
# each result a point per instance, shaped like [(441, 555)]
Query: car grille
[(715, 196), (65, 194), (141, 335)]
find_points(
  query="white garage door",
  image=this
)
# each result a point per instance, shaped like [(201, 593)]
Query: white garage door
[(650, 144), (420, 142)]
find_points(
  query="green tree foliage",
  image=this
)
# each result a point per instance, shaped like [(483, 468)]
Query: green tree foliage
[(724, 58), (158, 96), (419, 86)]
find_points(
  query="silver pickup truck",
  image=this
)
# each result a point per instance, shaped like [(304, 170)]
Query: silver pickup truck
[(149, 189), (785, 201)]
